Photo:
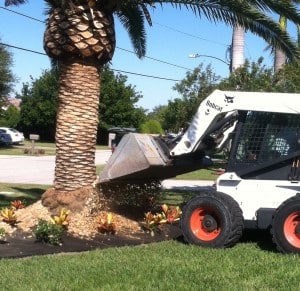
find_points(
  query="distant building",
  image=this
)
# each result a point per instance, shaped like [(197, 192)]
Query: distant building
[(12, 101), (15, 101)]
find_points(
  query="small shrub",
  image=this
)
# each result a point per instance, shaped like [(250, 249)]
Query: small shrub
[(26, 151), (151, 126), (106, 225), (9, 216), (40, 151), (17, 204), (48, 232), (152, 222), (169, 214), (62, 219)]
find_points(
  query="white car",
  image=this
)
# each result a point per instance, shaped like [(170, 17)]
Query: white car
[(16, 136)]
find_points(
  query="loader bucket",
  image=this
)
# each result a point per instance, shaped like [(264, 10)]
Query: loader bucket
[(145, 157), (137, 156)]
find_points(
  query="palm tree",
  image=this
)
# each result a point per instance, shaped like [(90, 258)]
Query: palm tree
[(237, 48), (80, 37), (279, 55)]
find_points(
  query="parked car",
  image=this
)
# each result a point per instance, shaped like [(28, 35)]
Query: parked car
[(16, 136), (5, 138), (119, 133)]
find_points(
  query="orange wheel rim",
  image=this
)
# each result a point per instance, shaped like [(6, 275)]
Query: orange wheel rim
[(291, 229), (198, 224)]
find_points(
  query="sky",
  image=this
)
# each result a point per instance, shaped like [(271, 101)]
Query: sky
[(174, 35)]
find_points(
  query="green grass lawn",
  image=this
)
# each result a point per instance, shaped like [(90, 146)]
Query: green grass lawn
[(169, 265), (210, 173), (24, 192)]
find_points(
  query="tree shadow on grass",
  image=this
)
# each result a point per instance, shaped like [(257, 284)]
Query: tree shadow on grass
[(27, 196)]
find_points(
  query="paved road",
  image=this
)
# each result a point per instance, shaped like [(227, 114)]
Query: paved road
[(40, 170), (35, 169)]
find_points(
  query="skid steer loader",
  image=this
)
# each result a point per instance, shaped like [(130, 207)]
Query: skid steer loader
[(260, 188)]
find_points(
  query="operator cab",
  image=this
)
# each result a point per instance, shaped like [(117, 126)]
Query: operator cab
[(265, 145)]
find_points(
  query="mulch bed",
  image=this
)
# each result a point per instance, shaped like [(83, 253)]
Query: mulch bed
[(22, 245)]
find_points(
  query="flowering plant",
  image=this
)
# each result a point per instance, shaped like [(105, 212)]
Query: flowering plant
[(17, 204), (9, 216), (169, 214), (62, 219), (107, 224)]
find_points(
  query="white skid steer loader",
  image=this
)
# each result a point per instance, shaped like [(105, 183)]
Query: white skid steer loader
[(260, 188)]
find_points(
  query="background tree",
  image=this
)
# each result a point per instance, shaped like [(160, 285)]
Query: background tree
[(196, 86), (10, 117), (7, 78), (39, 106), (118, 104), (287, 79), (255, 76), (151, 126), (157, 113)]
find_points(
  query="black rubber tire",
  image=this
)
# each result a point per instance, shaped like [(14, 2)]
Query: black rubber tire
[(285, 221), (226, 213)]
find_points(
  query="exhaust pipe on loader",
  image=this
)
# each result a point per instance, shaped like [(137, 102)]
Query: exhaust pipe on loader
[(146, 157)]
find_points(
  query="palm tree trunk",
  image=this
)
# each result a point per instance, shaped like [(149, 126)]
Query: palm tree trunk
[(237, 47), (280, 57), (298, 35), (77, 122), (76, 132)]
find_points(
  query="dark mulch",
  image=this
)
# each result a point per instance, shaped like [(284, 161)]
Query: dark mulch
[(20, 245)]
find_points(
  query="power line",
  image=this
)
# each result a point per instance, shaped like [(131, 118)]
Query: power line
[(23, 49), (117, 70), (157, 60), (191, 35), (142, 75), (21, 14)]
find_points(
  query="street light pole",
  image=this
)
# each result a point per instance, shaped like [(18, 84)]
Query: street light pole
[(207, 56)]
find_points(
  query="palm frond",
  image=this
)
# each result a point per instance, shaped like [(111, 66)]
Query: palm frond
[(14, 2), (287, 9), (146, 13), (132, 18), (251, 15), (58, 3), (268, 29)]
